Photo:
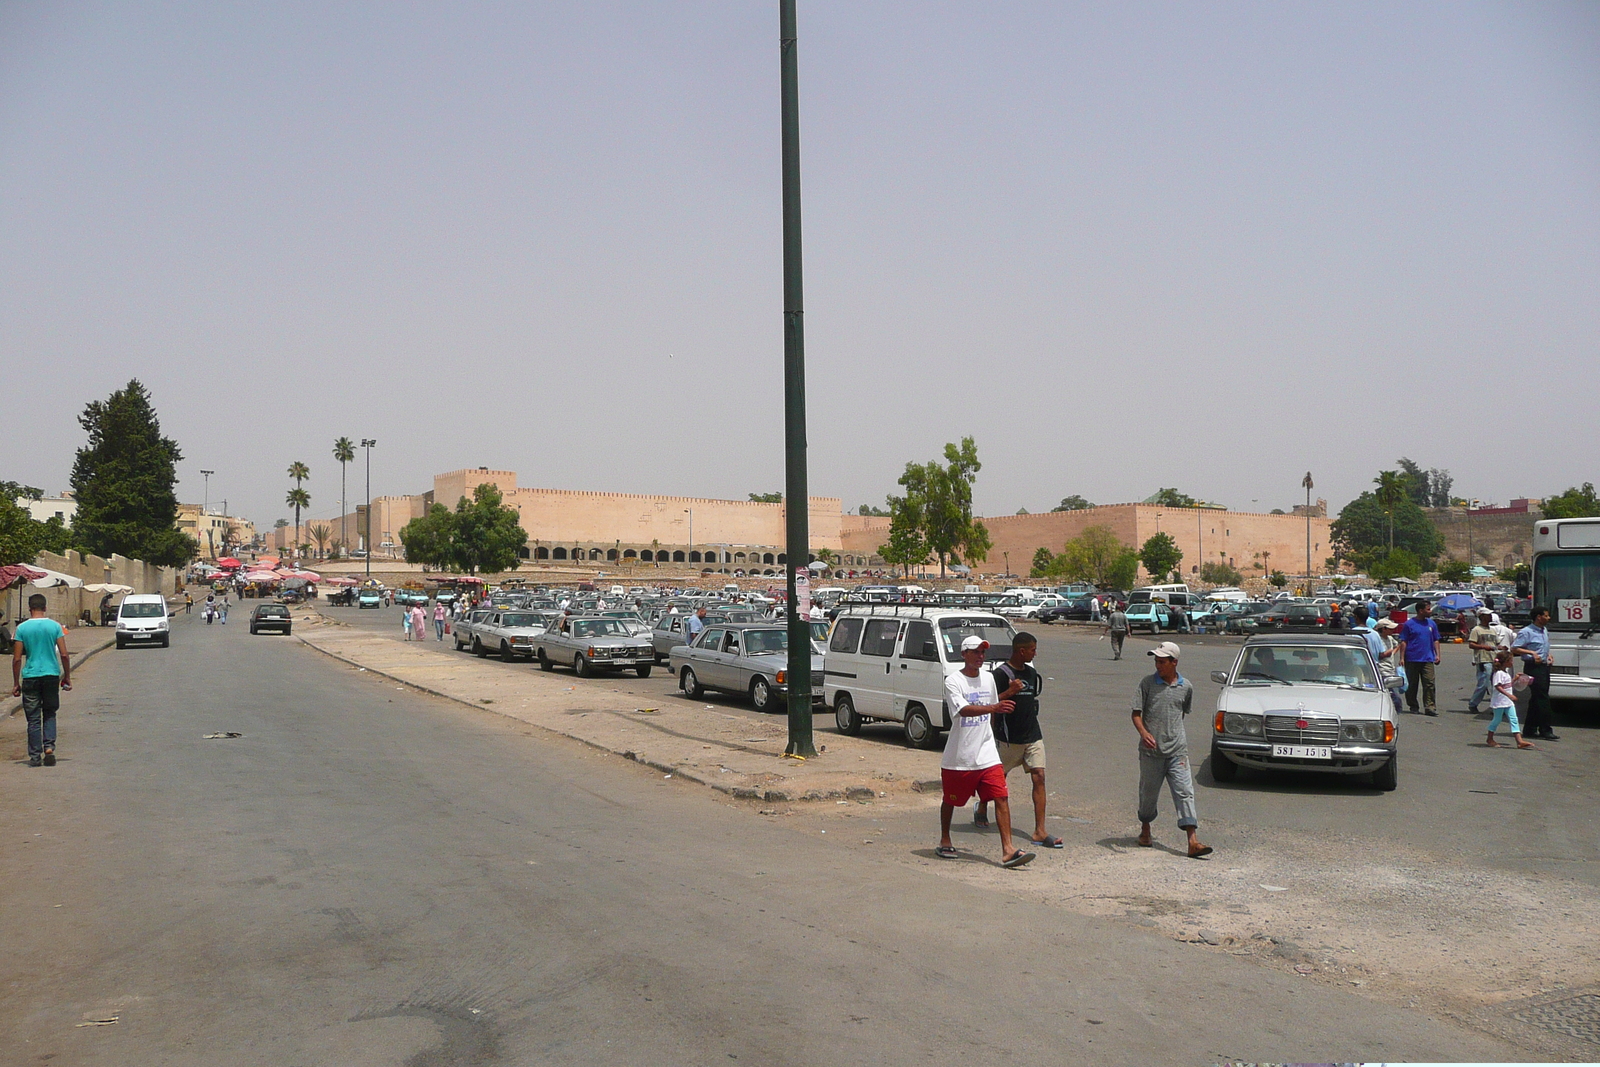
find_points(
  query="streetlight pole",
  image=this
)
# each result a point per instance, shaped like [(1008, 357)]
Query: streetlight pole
[(690, 512), (1200, 540), (1308, 485), (796, 492), (205, 506), (1470, 505), (367, 443)]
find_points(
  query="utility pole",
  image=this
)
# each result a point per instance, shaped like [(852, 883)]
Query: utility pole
[(205, 506), (1308, 484), (797, 494), (690, 513), (1200, 540), (368, 443), (1470, 505)]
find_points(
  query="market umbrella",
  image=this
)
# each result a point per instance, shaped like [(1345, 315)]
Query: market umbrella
[(1458, 602), (229, 562), (108, 587), (310, 576), (50, 579), (17, 573), (261, 576)]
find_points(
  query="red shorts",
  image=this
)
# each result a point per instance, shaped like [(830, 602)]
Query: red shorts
[(989, 784)]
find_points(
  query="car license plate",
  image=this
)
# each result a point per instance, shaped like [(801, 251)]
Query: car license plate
[(1303, 751)]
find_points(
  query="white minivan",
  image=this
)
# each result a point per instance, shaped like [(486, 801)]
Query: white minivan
[(142, 620), (888, 663)]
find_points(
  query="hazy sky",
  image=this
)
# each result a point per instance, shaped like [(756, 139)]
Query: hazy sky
[(1124, 246)]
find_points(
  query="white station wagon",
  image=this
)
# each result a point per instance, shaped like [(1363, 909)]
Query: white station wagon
[(1305, 702)]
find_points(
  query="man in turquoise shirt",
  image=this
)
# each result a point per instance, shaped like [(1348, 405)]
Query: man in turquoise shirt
[(40, 670)]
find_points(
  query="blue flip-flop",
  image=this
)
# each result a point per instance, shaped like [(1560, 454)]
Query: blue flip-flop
[(1051, 841)]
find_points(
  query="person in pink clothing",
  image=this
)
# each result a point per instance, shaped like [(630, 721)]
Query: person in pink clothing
[(438, 618), (419, 623)]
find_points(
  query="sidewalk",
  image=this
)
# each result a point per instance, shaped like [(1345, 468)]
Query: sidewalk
[(691, 739)]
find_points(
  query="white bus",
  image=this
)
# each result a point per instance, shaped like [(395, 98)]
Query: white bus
[(1566, 579)]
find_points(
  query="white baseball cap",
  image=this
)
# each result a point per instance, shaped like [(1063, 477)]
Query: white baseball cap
[(1165, 650), (973, 643)]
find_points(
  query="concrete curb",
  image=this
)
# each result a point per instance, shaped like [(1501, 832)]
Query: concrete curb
[(737, 792)]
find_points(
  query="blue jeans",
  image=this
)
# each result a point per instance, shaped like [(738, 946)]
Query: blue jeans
[(41, 698), (1485, 674)]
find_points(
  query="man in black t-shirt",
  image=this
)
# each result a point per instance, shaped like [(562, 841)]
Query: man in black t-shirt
[(1017, 736)]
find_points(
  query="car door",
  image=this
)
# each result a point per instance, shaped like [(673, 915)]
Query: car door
[(875, 686), (697, 654), (918, 673), (722, 661)]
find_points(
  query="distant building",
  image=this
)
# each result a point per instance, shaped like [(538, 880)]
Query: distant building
[(62, 507), (212, 530)]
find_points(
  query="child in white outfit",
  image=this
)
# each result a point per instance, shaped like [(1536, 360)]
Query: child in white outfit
[(1502, 703)]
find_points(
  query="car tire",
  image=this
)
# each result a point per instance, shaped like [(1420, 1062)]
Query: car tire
[(459, 645), (844, 715), (544, 662), (121, 644), (505, 652), (690, 684), (760, 694), (643, 670), (478, 649), (286, 631), (1223, 769), (581, 667), (919, 729), (1387, 777), (166, 642)]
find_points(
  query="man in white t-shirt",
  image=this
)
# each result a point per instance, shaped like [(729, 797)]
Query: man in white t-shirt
[(971, 762)]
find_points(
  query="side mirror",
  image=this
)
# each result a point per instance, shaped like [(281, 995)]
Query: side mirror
[(1396, 682), (1220, 677), (930, 650)]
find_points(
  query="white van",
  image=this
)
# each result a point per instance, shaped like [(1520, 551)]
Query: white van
[(142, 620), (888, 663)]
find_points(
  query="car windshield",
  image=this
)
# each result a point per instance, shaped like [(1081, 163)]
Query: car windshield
[(521, 618), (1307, 665), (765, 642), (953, 631), (143, 611), (599, 628), (1569, 585)]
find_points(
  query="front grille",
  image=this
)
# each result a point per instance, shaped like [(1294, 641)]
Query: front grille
[(1281, 730)]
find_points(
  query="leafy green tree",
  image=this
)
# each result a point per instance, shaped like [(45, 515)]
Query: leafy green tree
[(1171, 498), (429, 539), (344, 453), (939, 497), (868, 509), (1220, 574), (1415, 481), (1401, 563), (1520, 573), (907, 547), (1455, 570), (1365, 528), (1073, 503), (1575, 503), (1160, 556), (767, 498), (487, 534), (1278, 579), (1042, 558), (1391, 494), (1098, 557), (124, 480), (20, 536)]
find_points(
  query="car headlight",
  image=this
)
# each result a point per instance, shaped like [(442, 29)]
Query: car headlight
[(1363, 731), (1241, 725)]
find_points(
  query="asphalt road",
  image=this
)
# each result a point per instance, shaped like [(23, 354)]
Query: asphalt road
[(1521, 811), (372, 876)]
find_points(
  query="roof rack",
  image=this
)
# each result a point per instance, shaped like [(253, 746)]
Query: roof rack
[(919, 604)]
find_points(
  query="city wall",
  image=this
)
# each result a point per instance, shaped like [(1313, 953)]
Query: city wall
[(66, 605), (1252, 542), (1498, 540)]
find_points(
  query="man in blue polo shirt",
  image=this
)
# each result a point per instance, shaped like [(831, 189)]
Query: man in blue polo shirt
[(40, 671), (1532, 643), (1420, 635)]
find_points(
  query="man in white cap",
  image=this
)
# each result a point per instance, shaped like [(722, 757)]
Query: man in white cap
[(971, 762), (1164, 698)]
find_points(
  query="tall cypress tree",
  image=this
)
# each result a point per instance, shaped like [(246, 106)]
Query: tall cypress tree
[(123, 479)]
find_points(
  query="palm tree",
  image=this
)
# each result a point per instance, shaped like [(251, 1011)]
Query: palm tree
[(344, 451), (320, 533), (1391, 491), (298, 498)]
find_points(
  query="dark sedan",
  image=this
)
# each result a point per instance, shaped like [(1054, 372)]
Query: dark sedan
[(1294, 619), (270, 617), (1081, 610)]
